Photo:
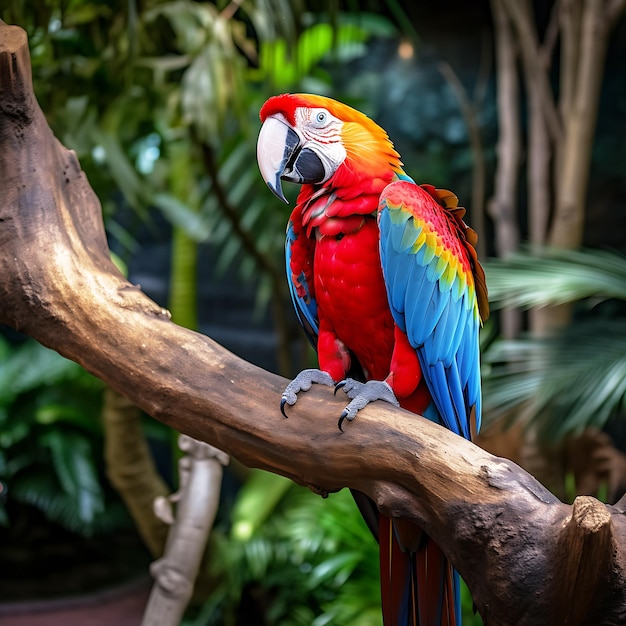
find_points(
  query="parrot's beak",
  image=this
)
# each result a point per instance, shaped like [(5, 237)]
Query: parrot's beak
[(281, 156)]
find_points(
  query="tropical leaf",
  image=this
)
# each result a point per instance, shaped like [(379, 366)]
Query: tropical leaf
[(255, 502), (29, 366), (50, 438), (566, 383), (42, 491), (122, 170), (73, 461), (182, 216), (321, 547), (576, 378), (286, 66), (548, 277)]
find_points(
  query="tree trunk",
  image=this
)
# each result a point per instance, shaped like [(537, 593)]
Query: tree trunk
[(526, 557), (130, 468), (503, 207), (579, 124), (560, 137)]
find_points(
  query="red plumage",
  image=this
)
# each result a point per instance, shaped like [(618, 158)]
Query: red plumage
[(343, 298)]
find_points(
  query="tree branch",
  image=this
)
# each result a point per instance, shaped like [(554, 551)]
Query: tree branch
[(592, 29), (503, 530), (472, 124), (520, 15)]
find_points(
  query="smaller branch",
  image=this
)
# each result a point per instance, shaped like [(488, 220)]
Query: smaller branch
[(503, 205), (468, 110), (539, 179), (200, 477), (551, 36), (520, 14), (228, 12), (579, 127), (569, 18), (614, 11)]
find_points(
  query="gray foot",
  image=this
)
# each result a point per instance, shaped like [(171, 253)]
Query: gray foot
[(303, 382), (362, 394)]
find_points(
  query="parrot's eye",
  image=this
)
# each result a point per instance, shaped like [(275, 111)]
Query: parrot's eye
[(320, 118)]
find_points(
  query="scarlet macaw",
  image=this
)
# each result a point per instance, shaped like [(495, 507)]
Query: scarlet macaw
[(386, 282)]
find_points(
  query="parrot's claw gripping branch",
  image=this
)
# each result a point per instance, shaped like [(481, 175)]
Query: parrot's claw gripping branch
[(303, 382), (361, 395)]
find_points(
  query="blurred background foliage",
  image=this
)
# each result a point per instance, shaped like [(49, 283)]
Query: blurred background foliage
[(160, 101), (574, 378)]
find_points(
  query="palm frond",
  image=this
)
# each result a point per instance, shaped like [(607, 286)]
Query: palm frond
[(29, 366), (549, 277), (567, 382)]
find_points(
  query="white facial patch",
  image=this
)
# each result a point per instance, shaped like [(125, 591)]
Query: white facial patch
[(321, 132)]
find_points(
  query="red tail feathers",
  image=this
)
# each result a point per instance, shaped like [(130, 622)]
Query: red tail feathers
[(419, 588)]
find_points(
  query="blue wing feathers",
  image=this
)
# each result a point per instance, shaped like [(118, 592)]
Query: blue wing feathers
[(436, 267), (458, 343), (397, 233), (444, 332), (444, 396), (305, 306), (431, 302), (434, 312), (429, 254), (396, 273), (458, 398), (418, 290)]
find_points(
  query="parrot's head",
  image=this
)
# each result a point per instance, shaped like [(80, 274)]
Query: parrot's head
[(314, 140)]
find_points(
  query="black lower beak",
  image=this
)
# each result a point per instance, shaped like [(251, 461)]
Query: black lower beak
[(306, 168)]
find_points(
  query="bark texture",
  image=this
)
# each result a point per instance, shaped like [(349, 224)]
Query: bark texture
[(526, 557)]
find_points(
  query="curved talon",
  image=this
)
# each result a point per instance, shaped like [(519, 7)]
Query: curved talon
[(352, 388), (349, 413), (303, 382), (346, 414), (338, 386), (361, 395)]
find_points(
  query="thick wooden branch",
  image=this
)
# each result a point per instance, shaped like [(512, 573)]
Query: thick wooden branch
[(526, 557)]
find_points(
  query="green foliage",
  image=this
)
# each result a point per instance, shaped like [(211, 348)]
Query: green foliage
[(548, 277), (286, 66), (299, 559), (307, 560), (130, 90), (50, 440), (575, 378), (468, 611)]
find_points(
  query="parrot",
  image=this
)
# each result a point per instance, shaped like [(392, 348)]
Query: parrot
[(385, 280)]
